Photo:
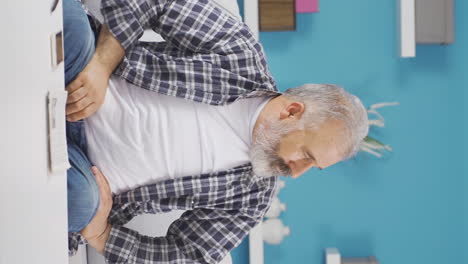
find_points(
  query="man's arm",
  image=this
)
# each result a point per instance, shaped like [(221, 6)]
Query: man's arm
[(109, 52), (192, 26), (198, 26), (198, 236), (208, 56), (87, 91)]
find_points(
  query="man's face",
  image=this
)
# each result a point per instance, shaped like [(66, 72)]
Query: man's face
[(283, 148)]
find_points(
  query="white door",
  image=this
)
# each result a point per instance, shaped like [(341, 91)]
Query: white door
[(33, 202)]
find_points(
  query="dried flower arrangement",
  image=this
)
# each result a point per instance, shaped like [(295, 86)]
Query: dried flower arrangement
[(370, 144)]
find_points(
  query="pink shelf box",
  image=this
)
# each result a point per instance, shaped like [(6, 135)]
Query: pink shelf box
[(307, 6)]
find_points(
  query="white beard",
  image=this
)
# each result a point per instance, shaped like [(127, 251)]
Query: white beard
[(263, 153)]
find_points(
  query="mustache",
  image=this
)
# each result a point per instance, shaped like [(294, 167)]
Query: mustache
[(280, 165)]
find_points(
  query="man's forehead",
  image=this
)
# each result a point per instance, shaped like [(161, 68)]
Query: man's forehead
[(324, 148)]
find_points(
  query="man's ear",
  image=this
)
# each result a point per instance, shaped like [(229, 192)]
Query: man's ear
[(293, 110)]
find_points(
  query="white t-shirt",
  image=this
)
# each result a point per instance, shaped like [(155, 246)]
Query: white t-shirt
[(140, 137)]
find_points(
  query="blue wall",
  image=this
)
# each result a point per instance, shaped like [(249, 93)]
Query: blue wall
[(409, 206)]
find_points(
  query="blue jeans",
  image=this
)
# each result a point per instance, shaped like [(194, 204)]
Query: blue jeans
[(83, 192)]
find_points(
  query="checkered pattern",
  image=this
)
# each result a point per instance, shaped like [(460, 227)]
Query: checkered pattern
[(222, 208), (210, 57)]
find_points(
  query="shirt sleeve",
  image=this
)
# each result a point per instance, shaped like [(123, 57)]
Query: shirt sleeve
[(198, 236), (194, 25)]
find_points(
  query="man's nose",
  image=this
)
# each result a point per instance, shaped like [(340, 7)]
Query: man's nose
[(299, 167)]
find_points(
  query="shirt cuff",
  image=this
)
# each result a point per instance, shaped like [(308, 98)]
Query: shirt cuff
[(122, 22), (121, 245)]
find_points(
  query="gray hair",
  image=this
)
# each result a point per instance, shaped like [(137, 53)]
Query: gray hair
[(327, 101)]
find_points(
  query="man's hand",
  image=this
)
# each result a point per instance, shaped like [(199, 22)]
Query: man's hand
[(98, 230), (86, 93)]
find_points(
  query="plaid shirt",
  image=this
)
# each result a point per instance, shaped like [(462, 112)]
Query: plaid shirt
[(210, 57)]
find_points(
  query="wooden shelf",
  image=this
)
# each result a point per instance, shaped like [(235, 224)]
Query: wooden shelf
[(277, 15)]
